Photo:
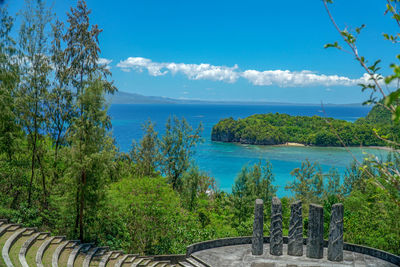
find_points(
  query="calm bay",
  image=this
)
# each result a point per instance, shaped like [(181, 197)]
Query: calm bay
[(224, 160)]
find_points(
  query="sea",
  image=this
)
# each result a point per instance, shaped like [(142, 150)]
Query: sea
[(224, 161)]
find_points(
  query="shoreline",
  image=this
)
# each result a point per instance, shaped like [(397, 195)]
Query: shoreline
[(293, 144)]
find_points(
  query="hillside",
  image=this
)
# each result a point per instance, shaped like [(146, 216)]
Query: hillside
[(122, 97), (275, 129)]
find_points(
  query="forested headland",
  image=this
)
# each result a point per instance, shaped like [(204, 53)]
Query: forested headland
[(276, 129), (61, 170)]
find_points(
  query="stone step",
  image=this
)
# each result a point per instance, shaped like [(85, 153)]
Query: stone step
[(24, 249), (4, 228), (41, 251), (34, 247), (98, 256), (29, 231), (131, 258), (16, 247), (105, 259), (48, 253), (121, 260), (6, 234), (144, 263), (75, 252), (194, 262), (57, 253), (137, 261), (115, 259), (14, 227), (65, 254), (157, 263), (8, 244), (89, 256), (200, 260), (185, 264)]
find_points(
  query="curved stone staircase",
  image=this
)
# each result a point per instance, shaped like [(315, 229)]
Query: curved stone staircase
[(25, 247)]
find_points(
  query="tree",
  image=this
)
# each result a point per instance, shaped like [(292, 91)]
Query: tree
[(177, 149), (88, 128), (9, 79), (60, 98), (196, 184), (32, 93), (146, 154), (308, 182), (389, 178), (252, 183), (332, 184)]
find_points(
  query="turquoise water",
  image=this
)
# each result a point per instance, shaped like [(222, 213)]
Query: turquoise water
[(224, 160)]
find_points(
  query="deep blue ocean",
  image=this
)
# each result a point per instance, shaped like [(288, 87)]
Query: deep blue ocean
[(225, 160)]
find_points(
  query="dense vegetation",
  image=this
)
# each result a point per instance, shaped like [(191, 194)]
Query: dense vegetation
[(60, 169), (275, 129)]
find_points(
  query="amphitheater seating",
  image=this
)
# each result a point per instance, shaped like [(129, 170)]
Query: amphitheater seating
[(21, 246)]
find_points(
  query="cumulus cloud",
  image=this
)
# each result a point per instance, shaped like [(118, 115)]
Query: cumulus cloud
[(282, 78), (104, 61), (192, 71), (286, 78)]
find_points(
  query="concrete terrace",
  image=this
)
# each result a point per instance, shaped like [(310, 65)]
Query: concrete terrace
[(241, 256)]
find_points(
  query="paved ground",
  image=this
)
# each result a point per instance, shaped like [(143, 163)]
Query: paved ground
[(240, 255)]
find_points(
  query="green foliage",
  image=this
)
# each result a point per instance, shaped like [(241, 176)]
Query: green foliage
[(177, 148), (308, 182), (274, 129), (372, 218), (252, 183), (146, 154)]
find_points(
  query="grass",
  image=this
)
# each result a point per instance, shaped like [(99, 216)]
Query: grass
[(79, 259), (63, 260), (14, 251), (95, 261), (31, 254), (3, 240), (113, 262), (48, 254)]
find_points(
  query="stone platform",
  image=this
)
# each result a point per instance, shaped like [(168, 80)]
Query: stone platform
[(241, 256)]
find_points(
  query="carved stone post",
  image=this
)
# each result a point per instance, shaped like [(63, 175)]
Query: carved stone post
[(335, 243), (257, 241), (315, 240), (295, 238), (276, 241)]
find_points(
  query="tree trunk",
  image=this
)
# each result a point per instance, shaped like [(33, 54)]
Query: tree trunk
[(32, 175), (43, 183), (82, 204)]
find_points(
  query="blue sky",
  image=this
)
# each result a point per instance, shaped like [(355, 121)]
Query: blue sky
[(250, 50)]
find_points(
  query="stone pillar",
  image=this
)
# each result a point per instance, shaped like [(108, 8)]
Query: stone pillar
[(295, 238), (315, 240), (276, 240), (335, 243), (257, 241)]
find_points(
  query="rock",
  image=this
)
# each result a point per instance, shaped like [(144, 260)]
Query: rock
[(295, 238), (315, 241), (276, 241), (257, 241), (335, 242)]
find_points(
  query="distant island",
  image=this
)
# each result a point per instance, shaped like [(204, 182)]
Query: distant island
[(126, 98), (279, 129)]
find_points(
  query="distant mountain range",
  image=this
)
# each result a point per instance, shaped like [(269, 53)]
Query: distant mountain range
[(132, 98)]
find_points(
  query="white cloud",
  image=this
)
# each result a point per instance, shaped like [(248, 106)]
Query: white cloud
[(286, 78), (104, 61), (192, 71), (282, 78)]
